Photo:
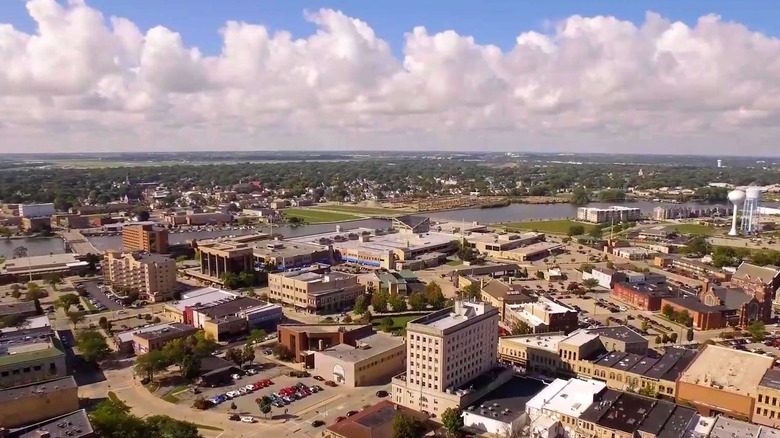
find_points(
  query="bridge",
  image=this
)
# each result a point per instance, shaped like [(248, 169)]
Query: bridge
[(78, 243)]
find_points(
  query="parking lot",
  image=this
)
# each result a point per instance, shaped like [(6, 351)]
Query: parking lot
[(99, 297)]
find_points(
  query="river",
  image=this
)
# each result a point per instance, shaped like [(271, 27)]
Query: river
[(510, 213)]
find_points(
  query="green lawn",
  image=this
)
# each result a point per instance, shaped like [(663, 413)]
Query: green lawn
[(313, 216), (399, 322), (551, 227), (694, 229), (356, 209)]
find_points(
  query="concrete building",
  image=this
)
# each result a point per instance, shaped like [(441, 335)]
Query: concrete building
[(633, 253), (70, 221), (125, 340), (217, 258), (71, 425), (314, 292), (152, 275), (36, 210), (36, 224), (373, 360), (502, 295), (145, 341), (375, 421), (145, 238), (451, 359), (24, 308), (723, 381), (39, 401), (289, 255), (605, 276), (202, 219), (556, 410), (614, 214), (767, 410), (229, 318), (642, 296), (502, 412), (544, 315), (41, 265), (30, 355)]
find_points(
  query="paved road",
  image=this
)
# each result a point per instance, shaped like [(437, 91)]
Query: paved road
[(97, 294)]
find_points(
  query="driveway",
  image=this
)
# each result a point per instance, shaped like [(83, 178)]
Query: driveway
[(100, 297)]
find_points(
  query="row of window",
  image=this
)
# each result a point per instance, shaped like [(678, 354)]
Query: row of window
[(26, 370)]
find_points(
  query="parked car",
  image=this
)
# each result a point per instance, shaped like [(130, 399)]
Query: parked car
[(248, 419), (340, 419), (234, 417), (331, 383), (317, 423), (381, 394), (318, 378), (351, 413)]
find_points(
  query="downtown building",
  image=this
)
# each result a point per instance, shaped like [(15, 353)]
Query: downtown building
[(152, 275), (451, 359)]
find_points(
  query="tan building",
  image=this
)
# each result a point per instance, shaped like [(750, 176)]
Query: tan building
[(152, 275), (302, 339), (375, 422), (217, 258), (500, 294), (31, 355), (70, 221), (451, 359), (146, 341), (373, 360), (34, 402), (767, 410), (723, 381), (145, 238), (35, 224), (315, 292), (289, 255), (544, 315)]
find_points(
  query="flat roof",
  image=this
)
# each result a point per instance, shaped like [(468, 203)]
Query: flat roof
[(508, 401), (282, 248), (172, 328), (771, 379), (322, 328), (232, 307), (579, 338), (619, 332), (453, 318), (374, 421), (727, 369), (620, 411), (127, 336), (542, 341), (202, 297), (47, 351), (567, 397), (38, 262), (536, 248), (73, 425), (693, 304), (725, 427), (18, 307), (681, 420), (377, 343), (37, 388)]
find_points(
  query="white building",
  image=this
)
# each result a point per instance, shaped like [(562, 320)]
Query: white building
[(612, 214), (36, 210), (555, 410)]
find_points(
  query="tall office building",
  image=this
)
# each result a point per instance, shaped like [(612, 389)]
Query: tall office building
[(447, 353), (152, 275), (146, 238)]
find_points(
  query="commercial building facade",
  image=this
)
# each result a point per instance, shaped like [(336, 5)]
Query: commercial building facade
[(229, 318), (150, 340), (315, 292), (373, 360), (29, 356), (145, 238), (642, 296), (36, 210), (39, 401), (152, 275), (544, 315)]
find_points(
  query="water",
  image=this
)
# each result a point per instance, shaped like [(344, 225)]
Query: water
[(526, 212), (115, 242), (35, 247)]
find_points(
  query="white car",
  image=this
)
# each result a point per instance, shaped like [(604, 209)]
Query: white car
[(236, 376), (242, 391), (232, 394), (248, 419), (250, 388)]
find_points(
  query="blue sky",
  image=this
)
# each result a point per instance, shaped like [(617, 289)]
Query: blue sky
[(490, 22)]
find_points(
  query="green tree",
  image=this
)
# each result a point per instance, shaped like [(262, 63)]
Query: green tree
[(579, 196), (53, 280), (473, 291), (406, 426), (658, 340), (13, 320), (67, 300), (203, 343), (34, 292), (590, 283), (163, 426), (5, 232), (256, 336), (673, 337), (92, 345), (379, 302), (587, 267), (689, 335), (540, 275), (181, 259), (360, 305), (248, 354), (103, 322), (757, 330), (575, 230), (230, 280), (417, 301), (397, 302), (282, 352), (176, 351), (16, 291), (697, 245), (521, 328), (434, 295), (265, 409), (112, 420), (75, 317), (190, 366), (151, 363), (595, 232), (234, 355), (452, 419), (667, 311)]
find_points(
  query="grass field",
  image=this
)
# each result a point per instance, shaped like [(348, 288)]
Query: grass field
[(551, 227), (694, 229), (313, 216), (360, 210), (399, 322)]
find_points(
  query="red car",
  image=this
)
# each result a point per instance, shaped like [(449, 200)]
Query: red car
[(340, 419)]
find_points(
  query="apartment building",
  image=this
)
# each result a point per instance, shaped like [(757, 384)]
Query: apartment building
[(152, 275), (315, 292), (544, 315), (451, 358), (614, 214), (145, 238)]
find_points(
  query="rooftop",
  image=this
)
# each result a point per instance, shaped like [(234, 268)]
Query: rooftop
[(36, 389), (650, 289), (508, 401), (281, 248), (412, 221), (374, 421), (771, 379), (510, 293), (671, 364), (39, 262), (169, 330), (693, 303), (73, 425), (454, 316), (201, 297), (19, 307), (321, 328), (629, 413), (543, 341), (620, 333), (725, 427), (754, 272), (232, 307), (36, 353), (727, 369), (567, 397), (536, 248), (366, 348)]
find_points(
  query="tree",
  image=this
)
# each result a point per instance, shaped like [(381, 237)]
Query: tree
[(151, 363), (590, 283), (452, 419), (697, 245), (379, 302), (540, 275), (465, 252), (417, 301), (673, 337), (176, 351), (595, 232), (387, 324), (658, 340), (610, 265), (645, 325), (579, 196), (265, 408), (256, 336), (67, 300), (757, 330), (587, 267), (405, 426), (521, 328), (575, 230), (75, 317), (665, 338), (164, 426), (689, 335), (190, 366), (282, 352), (53, 280), (434, 296), (103, 322), (203, 343), (5, 232), (13, 320), (234, 355), (398, 303), (248, 354), (473, 290), (667, 311), (230, 280), (111, 419), (360, 305), (92, 345), (34, 292), (16, 291)]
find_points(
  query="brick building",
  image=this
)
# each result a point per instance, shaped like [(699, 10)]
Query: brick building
[(642, 296)]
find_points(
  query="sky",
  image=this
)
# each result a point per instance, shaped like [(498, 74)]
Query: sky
[(692, 77)]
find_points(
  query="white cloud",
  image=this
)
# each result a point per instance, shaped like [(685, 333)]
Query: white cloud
[(84, 81)]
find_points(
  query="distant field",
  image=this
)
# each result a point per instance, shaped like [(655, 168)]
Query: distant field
[(314, 216), (694, 229), (360, 210), (98, 164), (552, 227)]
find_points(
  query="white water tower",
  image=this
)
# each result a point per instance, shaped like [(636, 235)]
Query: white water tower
[(736, 197), (750, 219)]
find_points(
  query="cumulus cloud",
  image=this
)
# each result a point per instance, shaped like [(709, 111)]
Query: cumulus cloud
[(84, 81)]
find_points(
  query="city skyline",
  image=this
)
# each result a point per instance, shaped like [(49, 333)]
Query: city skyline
[(602, 78)]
